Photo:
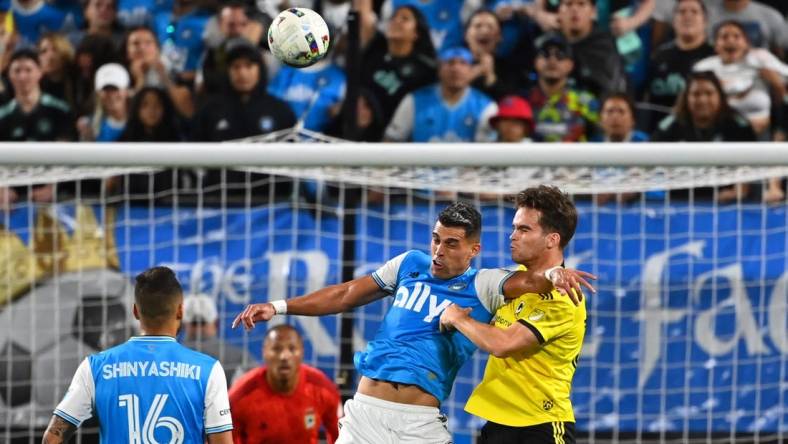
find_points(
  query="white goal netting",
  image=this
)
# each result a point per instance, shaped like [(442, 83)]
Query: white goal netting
[(687, 339)]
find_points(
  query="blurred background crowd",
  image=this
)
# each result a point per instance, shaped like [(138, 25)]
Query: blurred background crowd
[(464, 70)]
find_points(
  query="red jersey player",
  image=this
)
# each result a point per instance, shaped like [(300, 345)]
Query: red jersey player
[(284, 401)]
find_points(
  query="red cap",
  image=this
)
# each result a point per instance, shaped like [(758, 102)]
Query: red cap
[(514, 107)]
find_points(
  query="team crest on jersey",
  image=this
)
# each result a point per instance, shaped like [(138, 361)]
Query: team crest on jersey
[(547, 405), (310, 420), (536, 315), (519, 308), (458, 286)]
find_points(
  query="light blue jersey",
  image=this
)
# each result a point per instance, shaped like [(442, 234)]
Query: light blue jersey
[(409, 348), (443, 16), (32, 23), (110, 130), (423, 116), (310, 92), (182, 39), (132, 13), (149, 390)]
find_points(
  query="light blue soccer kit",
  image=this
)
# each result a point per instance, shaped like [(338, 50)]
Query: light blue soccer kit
[(409, 348), (149, 390)]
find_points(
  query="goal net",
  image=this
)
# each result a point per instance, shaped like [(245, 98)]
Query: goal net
[(686, 340)]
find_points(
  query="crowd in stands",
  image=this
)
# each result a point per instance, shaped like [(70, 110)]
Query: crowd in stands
[(431, 71)]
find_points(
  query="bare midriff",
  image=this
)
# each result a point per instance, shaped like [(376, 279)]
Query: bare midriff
[(396, 392)]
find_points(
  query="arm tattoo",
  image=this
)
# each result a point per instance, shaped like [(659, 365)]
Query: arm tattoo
[(59, 431)]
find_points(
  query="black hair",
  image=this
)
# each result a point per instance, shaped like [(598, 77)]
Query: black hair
[(157, 294), (166, 131), (559, 214), (423, 44), (461, 214), (626, 98), (682, 106), (24, 54), (282, 328)]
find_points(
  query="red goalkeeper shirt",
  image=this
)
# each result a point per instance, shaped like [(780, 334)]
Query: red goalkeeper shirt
[(261, 415)]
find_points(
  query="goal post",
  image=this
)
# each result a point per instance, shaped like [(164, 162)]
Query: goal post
[(686, 340)]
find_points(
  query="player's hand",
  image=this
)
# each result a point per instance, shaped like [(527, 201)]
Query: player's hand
[(254, 313), (452, 314), (570, 282)]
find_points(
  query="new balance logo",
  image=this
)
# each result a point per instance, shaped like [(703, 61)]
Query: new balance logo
[(416, 301)]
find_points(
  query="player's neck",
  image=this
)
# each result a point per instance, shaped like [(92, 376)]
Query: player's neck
[(284, 386), (545, 261), (169, 329)]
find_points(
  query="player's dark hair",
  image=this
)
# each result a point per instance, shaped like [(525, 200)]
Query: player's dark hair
[(283, 328), (24, 54), (559, 214), (699, 2), (157, 294), (463, 215)]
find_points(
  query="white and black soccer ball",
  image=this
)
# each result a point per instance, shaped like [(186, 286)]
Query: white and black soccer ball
[(298, 37), (48, 331)]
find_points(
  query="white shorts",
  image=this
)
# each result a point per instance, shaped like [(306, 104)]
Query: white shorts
[(371, 420)]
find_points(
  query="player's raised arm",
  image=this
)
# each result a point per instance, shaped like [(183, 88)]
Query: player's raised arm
[(566, 280), (329, 300)]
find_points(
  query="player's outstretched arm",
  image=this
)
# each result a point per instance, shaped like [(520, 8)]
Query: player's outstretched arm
[(329, 300), (498, 342), (58, 431), (221, 438), (566, 280)]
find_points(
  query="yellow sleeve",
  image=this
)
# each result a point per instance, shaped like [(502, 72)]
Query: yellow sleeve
[(548, 319)]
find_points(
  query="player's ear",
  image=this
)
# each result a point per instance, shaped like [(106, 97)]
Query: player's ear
[(136, 311), (475, 249), (553, 240), (179, 311)]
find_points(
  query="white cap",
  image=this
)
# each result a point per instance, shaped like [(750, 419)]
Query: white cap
[(112, 74), (199, 308)]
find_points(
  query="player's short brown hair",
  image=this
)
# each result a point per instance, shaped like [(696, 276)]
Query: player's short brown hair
[(559, 214), (157, 294)]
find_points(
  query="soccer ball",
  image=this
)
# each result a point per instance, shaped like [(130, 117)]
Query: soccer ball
[(298, 37)]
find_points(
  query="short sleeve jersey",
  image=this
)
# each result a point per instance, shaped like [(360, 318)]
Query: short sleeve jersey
[(150, 389), (409, 348)]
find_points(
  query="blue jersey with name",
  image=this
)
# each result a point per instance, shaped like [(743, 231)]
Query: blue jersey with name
[(150, 389), (438, 122), (444, 18), (310, 92), (182, 39), (409, 348)]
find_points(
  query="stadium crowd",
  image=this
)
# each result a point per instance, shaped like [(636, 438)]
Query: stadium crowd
[(471, 70)]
